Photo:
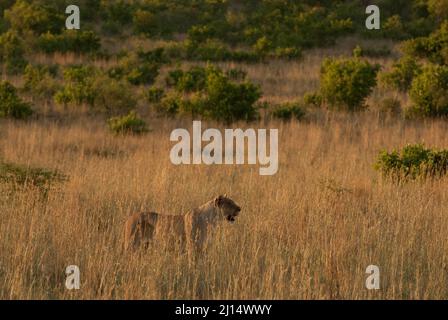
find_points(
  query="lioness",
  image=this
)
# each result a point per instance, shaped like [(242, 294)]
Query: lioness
[(192, 227)]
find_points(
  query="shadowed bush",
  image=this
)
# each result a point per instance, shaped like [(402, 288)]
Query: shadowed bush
[(413, 162), (11, 106), (346, 83), (129, 124), (25, 175)]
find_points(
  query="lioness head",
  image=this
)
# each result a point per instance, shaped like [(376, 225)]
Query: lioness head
[(228, 208)]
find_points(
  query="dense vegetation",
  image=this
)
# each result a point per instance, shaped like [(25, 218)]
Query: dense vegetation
[(215, 31)]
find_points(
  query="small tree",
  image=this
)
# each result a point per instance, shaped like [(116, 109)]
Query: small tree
[(429, 92), (402, 73), (10, 103), (346, 83), (12, 52), (129, 124)]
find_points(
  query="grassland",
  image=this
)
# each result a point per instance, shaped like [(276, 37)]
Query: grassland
[(308, 232)]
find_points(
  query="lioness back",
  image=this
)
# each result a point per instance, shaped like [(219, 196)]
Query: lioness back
[(141, 228)]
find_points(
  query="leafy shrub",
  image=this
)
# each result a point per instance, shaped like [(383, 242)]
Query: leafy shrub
[(129, 124), (24, 175), (86, 85), (116, 14), (155, 95), (401, 75), (112, 96), (187, 81), (69, 41), (434, 47), (10, 103), (137, 69), (78, 88), (393, 28), (212, 94), (313, 99), (380, 52), (210, 50), (288, 110), (170, 104), (12, 52), (28, 16), (346, 83), (39, 81), (414, 161), (429, 92)]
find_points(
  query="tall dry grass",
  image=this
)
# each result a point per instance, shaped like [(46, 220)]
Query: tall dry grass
[(308, 232)]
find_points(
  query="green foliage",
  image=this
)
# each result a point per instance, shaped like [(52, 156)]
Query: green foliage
[(112, 96), (138, 68), (434, 47), (393, 28), (86, 85), (187, 81), (346, 83), (379, 52), (438, 8), (12, 52), (29, 176), (429, 93), (40, 81), (313, 99), (29, 16), (402, 74), (287, 111), (10, 103), (69, 41), (129, 124), (155, 95), (210, 50), (413, 162), (212, 95), (78, 88), (116, 15)]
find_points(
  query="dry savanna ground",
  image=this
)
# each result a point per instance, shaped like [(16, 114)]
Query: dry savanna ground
[(308, 232)]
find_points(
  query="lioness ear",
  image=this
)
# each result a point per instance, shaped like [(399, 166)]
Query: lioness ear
[(218, 201)]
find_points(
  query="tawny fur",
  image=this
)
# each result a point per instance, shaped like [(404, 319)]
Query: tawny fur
[(192, 228)]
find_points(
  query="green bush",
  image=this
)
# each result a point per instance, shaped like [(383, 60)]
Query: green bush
[(187, 81), (434, 47), (211, 94), (25, 175), (78, 87), (29, 16), (370, 52), (112, 96), (137, 69), (69, 41), (401, 75), (429, 92), (413, 162), (286, 111), (155, 95), (129, 124), (40, 81), (10, 103), (313, 99), (12, 52), (346, 83), (86, 85)]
